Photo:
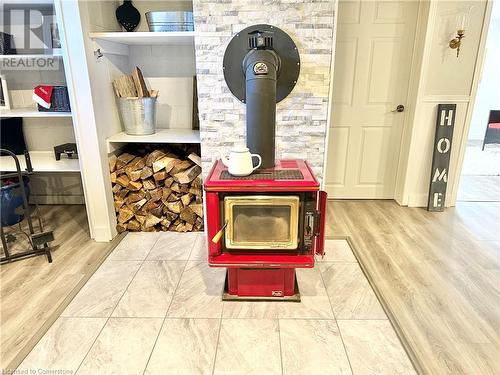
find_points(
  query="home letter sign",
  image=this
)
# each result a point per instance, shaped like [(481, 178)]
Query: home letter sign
[(441, 156)]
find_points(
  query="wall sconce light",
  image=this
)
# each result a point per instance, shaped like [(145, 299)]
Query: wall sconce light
[(457, 41), (462, 24)]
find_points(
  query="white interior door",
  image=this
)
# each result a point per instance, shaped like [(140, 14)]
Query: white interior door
[(371, 74)]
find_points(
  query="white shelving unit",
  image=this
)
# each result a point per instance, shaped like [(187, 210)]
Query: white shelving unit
[(42, 161), (161, 136), (31, 112), (147, 38)]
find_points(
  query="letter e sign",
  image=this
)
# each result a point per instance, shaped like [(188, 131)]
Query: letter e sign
[(441, 156)]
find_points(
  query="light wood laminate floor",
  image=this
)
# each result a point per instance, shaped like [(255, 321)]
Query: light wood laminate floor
[(34, 292), (438, 275)]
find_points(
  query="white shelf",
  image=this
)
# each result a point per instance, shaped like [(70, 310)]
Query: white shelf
[(42, 161), (31, 112), (161, 136), (147, 38)]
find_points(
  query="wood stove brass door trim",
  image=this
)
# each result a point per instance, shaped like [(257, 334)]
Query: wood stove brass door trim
[(262, 200)]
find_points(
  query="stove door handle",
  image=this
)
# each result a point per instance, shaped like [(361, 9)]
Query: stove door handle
[(218, 235), (321, 208)]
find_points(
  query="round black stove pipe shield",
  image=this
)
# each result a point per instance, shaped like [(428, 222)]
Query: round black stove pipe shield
[(282, 45)]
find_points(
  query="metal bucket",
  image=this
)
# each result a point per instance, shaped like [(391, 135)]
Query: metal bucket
[(138, 115), (170, 21)]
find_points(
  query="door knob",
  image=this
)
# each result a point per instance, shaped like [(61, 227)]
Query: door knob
[(399, 108)]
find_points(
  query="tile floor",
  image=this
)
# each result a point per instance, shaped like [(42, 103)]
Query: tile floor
[(154, 307)]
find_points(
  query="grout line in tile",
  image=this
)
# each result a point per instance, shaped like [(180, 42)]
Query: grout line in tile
[(345, 349), (335, 319), (152, 247), (192, 247), (281, 352), (164, 318), (109, 317), (217, 342)]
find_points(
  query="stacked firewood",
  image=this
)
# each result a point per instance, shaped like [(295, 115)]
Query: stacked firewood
[(157, 191)]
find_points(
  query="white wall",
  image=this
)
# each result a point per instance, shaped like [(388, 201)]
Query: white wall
[(442, 78), (488, 96)]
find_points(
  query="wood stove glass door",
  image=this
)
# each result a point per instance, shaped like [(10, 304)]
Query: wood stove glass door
[(261, 222)]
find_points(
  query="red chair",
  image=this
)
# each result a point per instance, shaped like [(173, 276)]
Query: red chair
[(492, 134)]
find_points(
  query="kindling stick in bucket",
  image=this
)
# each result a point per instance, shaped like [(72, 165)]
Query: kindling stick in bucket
[(136, 104)]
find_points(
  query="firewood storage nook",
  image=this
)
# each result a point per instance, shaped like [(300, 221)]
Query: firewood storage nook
[(157, 188)]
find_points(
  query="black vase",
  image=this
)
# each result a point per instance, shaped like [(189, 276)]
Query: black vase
[(128, 16)]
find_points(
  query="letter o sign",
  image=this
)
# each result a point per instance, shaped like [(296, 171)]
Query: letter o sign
[(443, 145)]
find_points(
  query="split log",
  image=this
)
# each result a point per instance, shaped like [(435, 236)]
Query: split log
[(134, 225), (112, 163), (175, 207), (158, 211), (165, 223), (197, 209), (122, 193), (125, 214), (123, 180), (186, 199), (188, 175), (151, 220), (135, 196), (118, 204), (134, 185), (167, 163), (197, 182), (180, 167), (123, 159), (195, 191), (156, 194), (149, 184), (140, 84), (120, 228), (116, 188), (138, 205), (159, 176), (140, 218), (113, 177), (154, 156), (188, 215), (198, 226), (171, 216), (150, 205), (133, 175), (173, 197), (195, 158), (168, 182), (146, 172)]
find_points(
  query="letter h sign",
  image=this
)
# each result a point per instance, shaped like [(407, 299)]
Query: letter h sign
[(441, 156)]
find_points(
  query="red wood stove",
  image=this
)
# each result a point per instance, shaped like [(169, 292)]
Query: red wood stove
[(263, 226)]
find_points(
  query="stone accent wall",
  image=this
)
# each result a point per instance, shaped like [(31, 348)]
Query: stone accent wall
[(301, 118)]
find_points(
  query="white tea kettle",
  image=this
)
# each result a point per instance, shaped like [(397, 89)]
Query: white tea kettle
[(240, 161)]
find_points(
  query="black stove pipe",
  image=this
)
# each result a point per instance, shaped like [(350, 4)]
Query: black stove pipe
[(261, 70)]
